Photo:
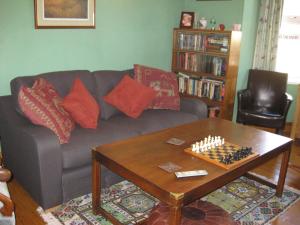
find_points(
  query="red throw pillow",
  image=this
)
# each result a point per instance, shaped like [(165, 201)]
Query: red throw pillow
[(42, 106), (164, 83), (81, 105), (130, 97)]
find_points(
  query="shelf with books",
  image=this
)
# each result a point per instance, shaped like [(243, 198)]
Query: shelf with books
[(198, 74), (207, 64), (201, 87)]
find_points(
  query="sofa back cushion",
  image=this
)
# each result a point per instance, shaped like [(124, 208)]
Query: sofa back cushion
[(105, 81), (61, 80)]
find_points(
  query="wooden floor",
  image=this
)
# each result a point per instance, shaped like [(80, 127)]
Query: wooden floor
[(25, 207)]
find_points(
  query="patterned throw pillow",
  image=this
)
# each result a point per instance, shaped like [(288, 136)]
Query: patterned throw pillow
[(42, 106), (130, 97), (81, 105), (164, 83)]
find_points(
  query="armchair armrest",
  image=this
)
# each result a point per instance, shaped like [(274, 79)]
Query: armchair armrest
[(288, 99), (244, 98), (194, 106)]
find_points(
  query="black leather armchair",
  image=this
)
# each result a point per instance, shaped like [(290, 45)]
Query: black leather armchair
[(265, 101)]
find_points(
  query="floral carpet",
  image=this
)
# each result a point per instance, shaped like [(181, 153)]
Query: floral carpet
[(247, 201)]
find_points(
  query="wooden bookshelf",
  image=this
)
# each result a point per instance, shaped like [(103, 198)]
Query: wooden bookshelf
[(209, 61)]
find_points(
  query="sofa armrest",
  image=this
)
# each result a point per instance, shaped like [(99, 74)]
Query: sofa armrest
[(194, 106), (33, 154)]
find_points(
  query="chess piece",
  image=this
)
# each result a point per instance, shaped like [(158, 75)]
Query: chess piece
[(223, 141), (193, 147)]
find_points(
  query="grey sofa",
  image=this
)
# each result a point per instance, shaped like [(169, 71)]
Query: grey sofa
[(54, 173)]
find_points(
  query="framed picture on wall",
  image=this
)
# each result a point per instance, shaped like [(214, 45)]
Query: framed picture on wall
[(64, 13), (187, 20)]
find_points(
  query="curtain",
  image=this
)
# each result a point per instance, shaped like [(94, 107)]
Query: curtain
[(267, 34)]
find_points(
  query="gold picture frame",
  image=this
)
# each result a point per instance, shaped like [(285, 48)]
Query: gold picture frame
[(64, 13)]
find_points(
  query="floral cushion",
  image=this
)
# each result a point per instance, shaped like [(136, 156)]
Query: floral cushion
[(42, 106), (164, 83)]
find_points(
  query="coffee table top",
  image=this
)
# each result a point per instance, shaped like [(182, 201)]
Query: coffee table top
[(138, 158)]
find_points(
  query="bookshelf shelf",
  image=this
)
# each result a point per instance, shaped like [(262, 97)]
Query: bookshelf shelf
[(198, 74), (206, 62)]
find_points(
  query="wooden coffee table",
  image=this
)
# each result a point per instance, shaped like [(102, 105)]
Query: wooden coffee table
[(137, 160)]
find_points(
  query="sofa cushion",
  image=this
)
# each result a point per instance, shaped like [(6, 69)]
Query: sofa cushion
[(61, 80), (153, 120), (77, 152), (130, 97), (41, 105), (164, 83), (82, 106), (105, 81)]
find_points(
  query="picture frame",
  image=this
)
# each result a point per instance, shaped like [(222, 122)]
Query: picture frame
[(64, 13), (187, 19)]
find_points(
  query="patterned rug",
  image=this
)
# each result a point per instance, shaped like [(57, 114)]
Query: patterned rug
[(247, 201)]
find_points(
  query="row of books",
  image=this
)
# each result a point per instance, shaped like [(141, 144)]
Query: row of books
[(194, 42), (201, 63), (198, 42), (201, 87)]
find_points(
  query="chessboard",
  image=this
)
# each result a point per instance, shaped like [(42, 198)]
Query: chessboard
[(215, 154)]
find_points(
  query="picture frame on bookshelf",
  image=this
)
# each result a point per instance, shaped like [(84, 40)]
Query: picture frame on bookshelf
[(187, 19), (64, 14)]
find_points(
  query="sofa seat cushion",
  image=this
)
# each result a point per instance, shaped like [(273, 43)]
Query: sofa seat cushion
[(153, 120), (77, 152)]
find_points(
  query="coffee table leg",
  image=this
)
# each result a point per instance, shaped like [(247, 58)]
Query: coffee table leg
[(96, 179), (283, 171), (175, 215)]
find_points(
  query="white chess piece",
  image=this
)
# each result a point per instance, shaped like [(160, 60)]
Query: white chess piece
[(223, 141), (193, 147), (201, 146), (197, 147)]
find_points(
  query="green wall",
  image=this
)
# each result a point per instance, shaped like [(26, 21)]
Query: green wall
[(127, 32), (226, 12), (292, 90)]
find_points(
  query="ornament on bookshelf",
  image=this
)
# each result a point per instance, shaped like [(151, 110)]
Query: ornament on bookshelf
[(236, 27), (222, 27), (213, 23), (203, 23)]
